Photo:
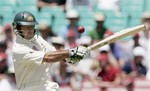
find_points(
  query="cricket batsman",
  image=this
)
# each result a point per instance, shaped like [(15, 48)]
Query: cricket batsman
[(32, 55)]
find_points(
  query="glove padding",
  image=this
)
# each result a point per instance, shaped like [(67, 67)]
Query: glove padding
[(77, 54)]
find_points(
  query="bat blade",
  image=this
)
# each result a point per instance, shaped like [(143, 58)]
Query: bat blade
[(116, 36)]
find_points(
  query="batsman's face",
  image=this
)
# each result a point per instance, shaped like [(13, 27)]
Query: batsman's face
[(28, 32)]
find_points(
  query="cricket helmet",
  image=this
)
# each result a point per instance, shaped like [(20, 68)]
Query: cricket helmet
[(24, 18)]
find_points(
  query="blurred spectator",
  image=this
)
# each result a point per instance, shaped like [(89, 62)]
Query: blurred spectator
[(3, 46), (3, 63), (9, 39), (4, 56), (8, 34), (71, 40), (127, 46), (115, 49), (98, 32), (4, 79), (46, 32), (71, 29), (136, 40), (82, 70), (51, 3), (134, 69), (5, 52), (137, 63), (4, 83), (62, 75), (109, 72), (85, 40), (145, 39), (58, 42)]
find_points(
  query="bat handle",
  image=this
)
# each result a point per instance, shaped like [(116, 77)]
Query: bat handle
[(89, 48)]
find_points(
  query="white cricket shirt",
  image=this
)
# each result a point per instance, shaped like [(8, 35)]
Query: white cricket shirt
[(31, 72)]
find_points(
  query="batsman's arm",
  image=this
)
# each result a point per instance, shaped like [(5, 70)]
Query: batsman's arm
[(72, 55)]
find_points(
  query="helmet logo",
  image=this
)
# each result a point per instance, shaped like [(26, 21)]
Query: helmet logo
[(30, 18)]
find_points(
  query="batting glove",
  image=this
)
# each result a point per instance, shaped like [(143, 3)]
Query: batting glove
[(77, 54)]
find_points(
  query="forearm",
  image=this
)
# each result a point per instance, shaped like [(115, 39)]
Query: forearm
[(73, 55), (56, 56)]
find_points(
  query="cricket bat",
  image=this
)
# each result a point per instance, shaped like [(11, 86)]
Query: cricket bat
[(116, 36)]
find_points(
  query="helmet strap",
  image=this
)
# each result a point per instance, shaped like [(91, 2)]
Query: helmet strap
[(18, 27), (21, 34)]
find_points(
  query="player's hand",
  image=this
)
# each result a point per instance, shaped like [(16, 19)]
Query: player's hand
[(77, 54)]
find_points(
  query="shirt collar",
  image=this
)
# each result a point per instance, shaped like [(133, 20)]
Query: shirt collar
[(20, 39)]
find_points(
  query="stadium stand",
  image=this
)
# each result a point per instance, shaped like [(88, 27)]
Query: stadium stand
[(133, 6), (8, 3), (7, 18), (27, 2), (57, 16), (86, 17), (44, 17), (54, 11)]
